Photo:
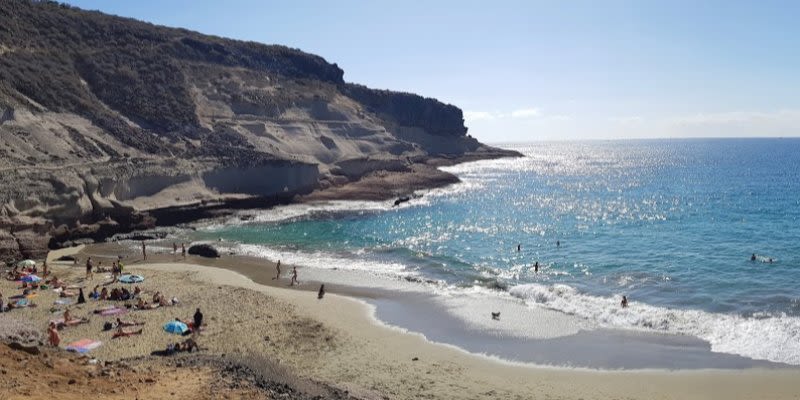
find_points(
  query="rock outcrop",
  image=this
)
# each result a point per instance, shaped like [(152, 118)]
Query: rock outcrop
[(109, 125), (204, 250)]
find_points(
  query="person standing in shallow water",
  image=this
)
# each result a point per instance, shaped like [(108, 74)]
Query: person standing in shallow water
[(558, 243), (519, 247), (294, 277), (624, 302), (183, 250), (753, 257), (536, 267)]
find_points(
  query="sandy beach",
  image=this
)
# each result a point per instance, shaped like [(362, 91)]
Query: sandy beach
[(337, 340)]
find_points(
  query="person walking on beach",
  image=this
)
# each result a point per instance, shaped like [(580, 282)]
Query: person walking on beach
[(174, 248), (321, 292), (1, 303), (183, 250), (294, 277), (144, 251), (89, 267), (198, 320), (277, 268)]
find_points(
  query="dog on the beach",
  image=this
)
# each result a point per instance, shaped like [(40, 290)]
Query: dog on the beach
[(496, 316)]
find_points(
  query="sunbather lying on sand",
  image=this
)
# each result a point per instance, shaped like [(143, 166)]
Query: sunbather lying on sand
[(142, 305), (121, 323), (70, 320), (21, 303), (187, 345), (56, 283), (122, 333)]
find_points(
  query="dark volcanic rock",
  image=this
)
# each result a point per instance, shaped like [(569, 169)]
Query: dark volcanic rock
[(204, 250)]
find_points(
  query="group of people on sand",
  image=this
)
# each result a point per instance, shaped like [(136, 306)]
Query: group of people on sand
[(159, 300), (115, 294), (16, 273)]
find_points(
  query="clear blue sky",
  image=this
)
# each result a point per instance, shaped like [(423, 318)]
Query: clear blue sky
[(541, 70)]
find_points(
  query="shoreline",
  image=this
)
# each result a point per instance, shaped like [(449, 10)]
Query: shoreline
[(340, 341), (361, 321), (560, 340)]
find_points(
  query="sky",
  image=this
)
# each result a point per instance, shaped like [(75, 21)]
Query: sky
[(541, 70)]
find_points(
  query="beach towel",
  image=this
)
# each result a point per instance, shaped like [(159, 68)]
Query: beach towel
[(63, 302), (101, 309), (113, 311), (84, 345)]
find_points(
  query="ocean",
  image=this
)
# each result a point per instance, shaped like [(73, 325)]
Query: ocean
[(671, 224)]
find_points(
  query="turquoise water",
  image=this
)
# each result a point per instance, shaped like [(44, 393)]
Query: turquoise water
[(671, 224)]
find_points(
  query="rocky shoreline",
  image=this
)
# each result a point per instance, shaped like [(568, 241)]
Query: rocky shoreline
[(20, 240)]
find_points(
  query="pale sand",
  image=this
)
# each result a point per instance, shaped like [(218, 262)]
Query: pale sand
[(337, 340)]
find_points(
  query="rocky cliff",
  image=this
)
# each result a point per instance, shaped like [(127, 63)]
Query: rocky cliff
[(110, 124)]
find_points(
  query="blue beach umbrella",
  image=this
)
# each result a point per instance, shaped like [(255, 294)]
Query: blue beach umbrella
[(176, 327), (30, 278), (131, 278)]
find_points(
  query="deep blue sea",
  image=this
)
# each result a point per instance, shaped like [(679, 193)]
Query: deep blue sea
[(672, 224)]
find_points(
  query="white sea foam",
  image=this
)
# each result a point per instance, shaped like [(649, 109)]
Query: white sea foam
[(326, 261), (775, 338), (563, 309)]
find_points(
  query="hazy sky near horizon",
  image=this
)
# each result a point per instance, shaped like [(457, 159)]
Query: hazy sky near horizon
[(542, 70)]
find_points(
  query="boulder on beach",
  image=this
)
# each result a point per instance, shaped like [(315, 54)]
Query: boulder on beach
[(204, 250)]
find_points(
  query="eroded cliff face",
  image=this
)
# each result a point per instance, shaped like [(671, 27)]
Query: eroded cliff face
[(109, 124)]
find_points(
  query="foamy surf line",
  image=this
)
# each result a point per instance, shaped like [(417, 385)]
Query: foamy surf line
[(560, 308), (772, 338)]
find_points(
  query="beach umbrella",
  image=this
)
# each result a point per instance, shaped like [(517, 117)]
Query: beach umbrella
[(30, 278), (176, 327), (26, 264), (131, 278)]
